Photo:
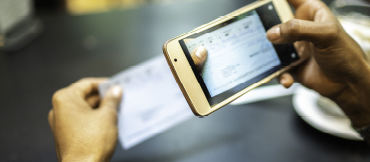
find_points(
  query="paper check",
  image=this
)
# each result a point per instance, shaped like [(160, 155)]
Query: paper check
[(152, 101), (237, 53)]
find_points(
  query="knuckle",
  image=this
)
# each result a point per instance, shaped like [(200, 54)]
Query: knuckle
[(330, 32), (75, 88), (62, 96), (293, 26), (78, 84), (111, 112), (333, 29), (291, 29), (92, 80), (58, 97), (84, 80), (50, 116), (319, 3)]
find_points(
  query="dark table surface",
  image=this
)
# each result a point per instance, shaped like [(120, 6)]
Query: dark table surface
[(73, 47)]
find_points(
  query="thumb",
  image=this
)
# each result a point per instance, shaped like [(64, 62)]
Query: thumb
[(322, 35), (112, 98), (199, 56)]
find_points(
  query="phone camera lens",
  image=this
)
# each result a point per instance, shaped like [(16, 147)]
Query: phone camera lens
[(270, 7), (293, 55)]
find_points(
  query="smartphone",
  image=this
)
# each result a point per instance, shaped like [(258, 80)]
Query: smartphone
[(239, 55)]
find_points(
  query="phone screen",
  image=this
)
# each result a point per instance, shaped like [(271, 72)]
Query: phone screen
[(239, 53)]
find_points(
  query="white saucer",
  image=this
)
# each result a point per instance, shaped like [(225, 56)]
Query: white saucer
[(305, 102)]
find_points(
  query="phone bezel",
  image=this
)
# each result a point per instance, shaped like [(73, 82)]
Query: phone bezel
[(184, 74)]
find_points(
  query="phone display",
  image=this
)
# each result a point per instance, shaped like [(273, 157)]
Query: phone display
[(239, 53)]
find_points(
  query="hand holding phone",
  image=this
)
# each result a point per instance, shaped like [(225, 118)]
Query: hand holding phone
[(336, 66), (239, 55)]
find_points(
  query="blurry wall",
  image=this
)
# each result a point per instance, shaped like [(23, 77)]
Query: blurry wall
[(92, 6)]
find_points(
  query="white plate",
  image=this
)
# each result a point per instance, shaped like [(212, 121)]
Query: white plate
[(305, 102), (264, 93)]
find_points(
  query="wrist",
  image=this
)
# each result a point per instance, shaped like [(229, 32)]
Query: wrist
[(354, 100)]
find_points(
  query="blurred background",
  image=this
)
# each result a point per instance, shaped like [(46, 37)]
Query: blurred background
[(46, 45), (95, 6)]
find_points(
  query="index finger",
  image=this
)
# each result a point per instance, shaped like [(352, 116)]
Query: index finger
[(86, 86)]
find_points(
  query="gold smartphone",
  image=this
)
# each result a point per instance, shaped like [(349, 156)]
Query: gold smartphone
[(239, 56)]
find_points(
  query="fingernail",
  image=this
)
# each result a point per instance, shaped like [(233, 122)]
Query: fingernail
[(200, 53), (273, 33), (116, 90)]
